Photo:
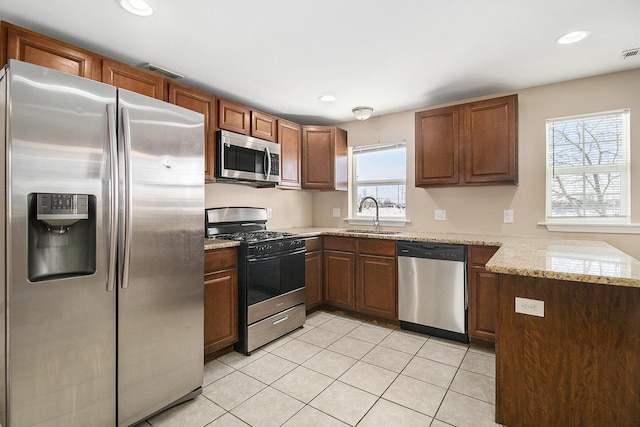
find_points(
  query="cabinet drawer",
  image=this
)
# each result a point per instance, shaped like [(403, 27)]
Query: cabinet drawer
[(479, 255), (346, 244), (220, 259), (313, 244), (377, 247)]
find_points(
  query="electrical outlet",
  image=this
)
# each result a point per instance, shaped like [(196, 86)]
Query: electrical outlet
[(440, 215), (532, 307), (336, 212), (507, 216), (269, 213)]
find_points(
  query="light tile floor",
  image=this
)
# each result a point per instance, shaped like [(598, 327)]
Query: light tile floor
[(340, 371)]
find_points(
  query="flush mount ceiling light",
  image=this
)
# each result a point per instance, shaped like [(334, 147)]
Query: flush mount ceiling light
[(573, 37), (137, 7), (362, 113), (327, 98)]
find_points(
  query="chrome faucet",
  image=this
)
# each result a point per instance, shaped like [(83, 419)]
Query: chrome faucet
[(376, 220)]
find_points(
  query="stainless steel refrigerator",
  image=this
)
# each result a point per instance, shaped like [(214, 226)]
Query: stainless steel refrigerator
[(103, 263)]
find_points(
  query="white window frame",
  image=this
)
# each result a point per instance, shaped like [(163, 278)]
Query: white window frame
[(356, 218), (606, 224)]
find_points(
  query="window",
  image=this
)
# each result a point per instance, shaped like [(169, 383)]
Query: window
[(588, 171), (380, 171)]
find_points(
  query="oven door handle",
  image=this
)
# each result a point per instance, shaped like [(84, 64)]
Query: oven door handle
[(254, 258), (275, 322)]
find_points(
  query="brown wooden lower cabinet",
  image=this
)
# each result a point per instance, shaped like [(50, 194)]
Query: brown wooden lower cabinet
[(220, 299), (339, 276), (376, 278), (578, 365), (313, 272), (361, 275), (483, 294)]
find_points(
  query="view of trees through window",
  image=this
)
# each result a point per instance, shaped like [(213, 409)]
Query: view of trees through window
[(381, 172), (588, 166)]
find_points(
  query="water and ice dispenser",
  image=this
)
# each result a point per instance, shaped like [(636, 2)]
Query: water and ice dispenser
[(62, 235)]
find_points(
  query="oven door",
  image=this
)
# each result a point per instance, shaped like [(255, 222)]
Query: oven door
[(274, 277)]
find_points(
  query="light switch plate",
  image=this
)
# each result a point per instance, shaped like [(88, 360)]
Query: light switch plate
[(336, 212), (440, 215), (532, 307), (269, 213)]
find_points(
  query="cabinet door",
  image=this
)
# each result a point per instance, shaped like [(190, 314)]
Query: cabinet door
[(125, 76), (437, 147), (483, 294), (313, 279), (263, 126), (290, 139), (203, 103), (376, 286), (220, 310), (490, 140), (234, 117), (339, 275), (34, 48), (318, 157)]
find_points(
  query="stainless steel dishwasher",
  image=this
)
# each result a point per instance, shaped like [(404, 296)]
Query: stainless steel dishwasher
[(432, 289)]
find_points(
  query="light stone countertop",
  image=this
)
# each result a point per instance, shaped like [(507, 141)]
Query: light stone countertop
[(588, 261)]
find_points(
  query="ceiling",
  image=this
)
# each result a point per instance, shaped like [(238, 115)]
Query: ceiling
[(280, 56)]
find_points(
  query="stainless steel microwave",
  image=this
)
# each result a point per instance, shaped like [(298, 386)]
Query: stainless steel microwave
[(242, 158)]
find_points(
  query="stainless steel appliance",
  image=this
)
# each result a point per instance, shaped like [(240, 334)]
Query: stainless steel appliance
[(103, 265), (271, 275), (432, 289), (244, 159)]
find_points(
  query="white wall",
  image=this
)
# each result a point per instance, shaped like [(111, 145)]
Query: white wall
[(479, 209)]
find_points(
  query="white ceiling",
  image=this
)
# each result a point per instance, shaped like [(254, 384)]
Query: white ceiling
[(282, 55)]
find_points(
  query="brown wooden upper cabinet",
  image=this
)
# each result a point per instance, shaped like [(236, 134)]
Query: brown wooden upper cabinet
[(290, 140), (204, 103), (28, 46), (234, 117), (242, 119), (137, 80), (468, 144), (324, 158), (263, 126)]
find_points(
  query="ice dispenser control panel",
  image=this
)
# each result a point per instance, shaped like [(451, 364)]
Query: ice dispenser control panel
[(61, 209)]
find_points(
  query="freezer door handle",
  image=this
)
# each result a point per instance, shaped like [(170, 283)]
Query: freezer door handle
[(126, 133), (113, 204)]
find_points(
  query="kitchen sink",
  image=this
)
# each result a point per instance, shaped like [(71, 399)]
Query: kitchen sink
[(361, 231)]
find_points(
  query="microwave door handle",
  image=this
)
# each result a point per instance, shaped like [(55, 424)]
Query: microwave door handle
[(267, 155)]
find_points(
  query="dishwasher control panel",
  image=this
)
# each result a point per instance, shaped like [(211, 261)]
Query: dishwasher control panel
[(443, 251)]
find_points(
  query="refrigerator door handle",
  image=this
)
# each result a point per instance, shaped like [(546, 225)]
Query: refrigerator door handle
[(126, 127), (113, 193)]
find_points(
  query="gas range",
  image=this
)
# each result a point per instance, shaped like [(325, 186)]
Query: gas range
[(271, 274)]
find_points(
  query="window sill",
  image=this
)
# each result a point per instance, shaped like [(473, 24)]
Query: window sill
[(384, 222), (593, 228)]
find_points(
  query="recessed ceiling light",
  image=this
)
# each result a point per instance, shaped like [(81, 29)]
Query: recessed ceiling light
[(573, 37), (137, 7), (327, 98)]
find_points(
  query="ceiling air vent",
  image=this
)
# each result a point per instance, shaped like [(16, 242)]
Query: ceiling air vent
[(629, 53), (162, 71)]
